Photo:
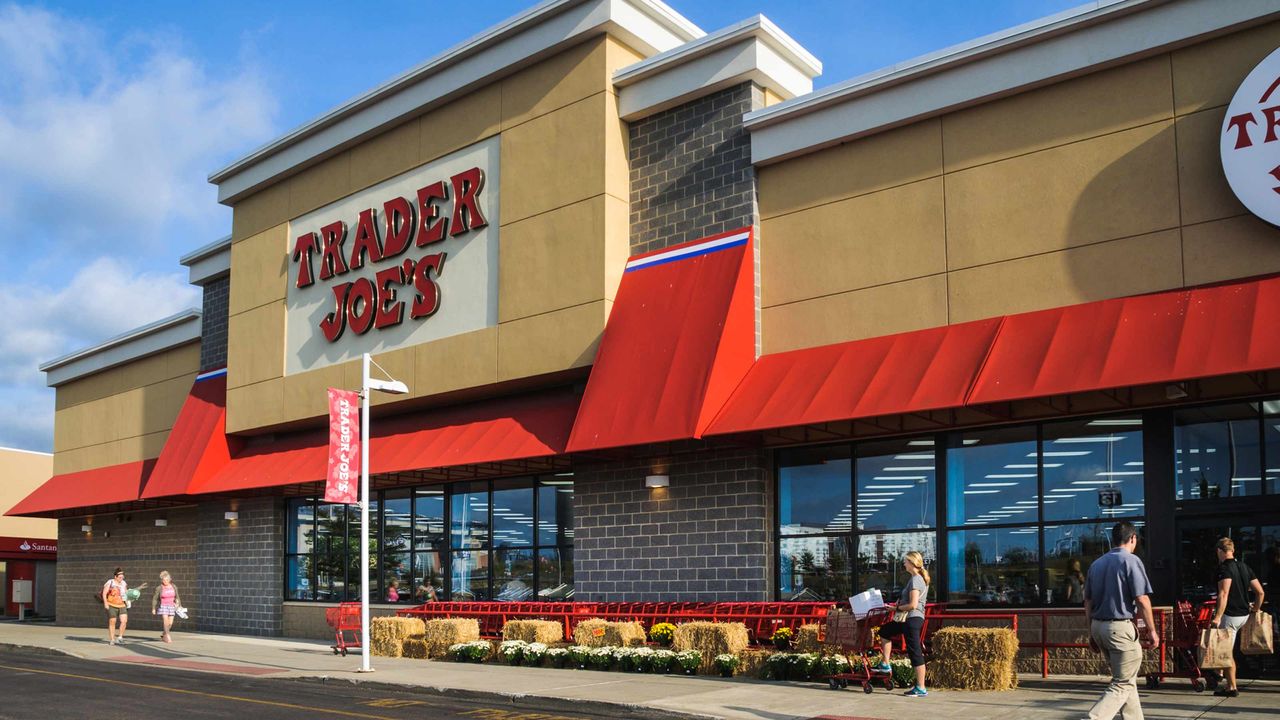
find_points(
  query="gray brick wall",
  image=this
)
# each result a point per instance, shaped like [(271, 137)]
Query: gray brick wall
[(241, 574), (691, 172), (706, 537), (130, 541), (213, 324)]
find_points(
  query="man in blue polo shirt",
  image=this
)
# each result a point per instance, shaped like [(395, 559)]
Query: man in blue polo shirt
[(1116, 588)]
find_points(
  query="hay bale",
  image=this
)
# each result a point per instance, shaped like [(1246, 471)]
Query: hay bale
[(546, 632), (711, 639), (595, 632), (416, 647), (440, 633), (807, 639), (387, 634), (753, 660), (974, 659)]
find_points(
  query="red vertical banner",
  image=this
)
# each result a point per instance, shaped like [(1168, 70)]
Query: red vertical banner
[(342, 481)]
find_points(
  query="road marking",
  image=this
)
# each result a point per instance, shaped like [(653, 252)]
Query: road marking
[(392, 703), (497, 714), (180, 691)]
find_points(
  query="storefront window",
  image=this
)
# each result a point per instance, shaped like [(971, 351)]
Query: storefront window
[(555, 574), (992, 477), (816, 568), (469, 513), (1093, 469), (555, 511), (994, 566), (513, 574), (895, 482), (470, 570), (520, 547), (814, 492), (513, 519), (1218, 452)]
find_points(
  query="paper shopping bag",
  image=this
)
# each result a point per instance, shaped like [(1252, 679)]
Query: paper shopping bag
[(1215, 648), (1255, 636)]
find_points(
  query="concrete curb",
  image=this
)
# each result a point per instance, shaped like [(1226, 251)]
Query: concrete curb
[(521, 701), (17, 649)]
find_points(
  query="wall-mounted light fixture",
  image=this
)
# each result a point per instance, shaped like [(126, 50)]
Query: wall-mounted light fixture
[(657, 481), (86, 528), (161, 522), (231, 515)]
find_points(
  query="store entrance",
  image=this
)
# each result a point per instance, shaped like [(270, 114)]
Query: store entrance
[(1257, 545)]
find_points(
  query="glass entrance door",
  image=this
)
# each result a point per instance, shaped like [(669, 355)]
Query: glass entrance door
[(1257, 545)]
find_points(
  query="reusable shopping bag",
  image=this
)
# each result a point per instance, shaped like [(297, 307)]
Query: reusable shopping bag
[(1255, 636), (1215, 648)]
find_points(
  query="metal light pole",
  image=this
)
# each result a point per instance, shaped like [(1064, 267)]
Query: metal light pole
[(394, 387)]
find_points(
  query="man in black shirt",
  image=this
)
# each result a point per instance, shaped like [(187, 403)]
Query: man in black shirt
[(1235, 579)]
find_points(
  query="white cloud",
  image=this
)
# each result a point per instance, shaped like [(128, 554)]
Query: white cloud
[(39, 323), (110, 141)]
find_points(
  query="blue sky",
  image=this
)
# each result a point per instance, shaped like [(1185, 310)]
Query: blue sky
[(113, 114)]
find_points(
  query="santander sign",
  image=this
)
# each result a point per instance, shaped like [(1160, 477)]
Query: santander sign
[(1250, 140)]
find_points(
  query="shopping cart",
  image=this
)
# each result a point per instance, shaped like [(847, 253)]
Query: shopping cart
[(1188, 621), (857, 638), (344, 619)]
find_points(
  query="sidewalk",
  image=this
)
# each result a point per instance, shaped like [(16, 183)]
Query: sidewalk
[(623, 694)]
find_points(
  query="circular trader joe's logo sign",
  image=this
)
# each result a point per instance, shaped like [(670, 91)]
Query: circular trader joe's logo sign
[(1250, 151)]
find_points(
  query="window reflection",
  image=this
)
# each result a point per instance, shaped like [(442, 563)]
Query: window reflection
[(513, 574), (1069, 551), (555, 574), (513, 521), (992, 478), (815, 568), (1086, 463), (880, 561), (470, 572), (814, 492), (428, 519), (994, 566), (469, 516), (895, 482), (555, 512), (1217, 452)]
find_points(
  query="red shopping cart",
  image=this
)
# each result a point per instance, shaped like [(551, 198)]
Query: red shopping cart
[(1188, 621), (344, 619), (857, 638)]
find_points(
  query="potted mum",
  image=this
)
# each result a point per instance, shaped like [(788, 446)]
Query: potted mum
[(689, 661), (663, 634), (782, 638), (727, 664)]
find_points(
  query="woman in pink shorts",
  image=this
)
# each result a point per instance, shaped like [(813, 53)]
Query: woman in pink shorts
[(165, 603)]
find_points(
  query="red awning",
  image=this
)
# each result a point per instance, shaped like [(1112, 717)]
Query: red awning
[(197, 447), (909, 372), (509, 429), (1164, 337), (679, 339), (86, 489)]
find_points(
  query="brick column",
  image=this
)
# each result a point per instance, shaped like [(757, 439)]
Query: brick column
[(241, 570), (213, 324), (704, 538), (691, 171)]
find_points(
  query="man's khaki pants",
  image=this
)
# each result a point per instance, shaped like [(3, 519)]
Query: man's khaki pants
[(1119, 640)]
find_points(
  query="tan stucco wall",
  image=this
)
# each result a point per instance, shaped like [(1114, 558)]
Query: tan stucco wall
[(562, 241), (1101, 186), (21, 473), (123, 414)]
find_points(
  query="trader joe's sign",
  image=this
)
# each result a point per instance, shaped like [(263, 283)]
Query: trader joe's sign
[(1250, 140), (407, 261)]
